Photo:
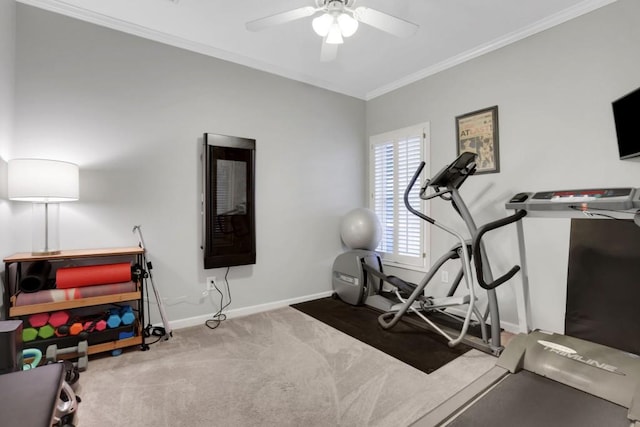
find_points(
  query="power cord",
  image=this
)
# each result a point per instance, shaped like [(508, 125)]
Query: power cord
[(219, 316), (150, 330), (155, 331)]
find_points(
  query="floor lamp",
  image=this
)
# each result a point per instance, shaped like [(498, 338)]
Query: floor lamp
[(44, 183)]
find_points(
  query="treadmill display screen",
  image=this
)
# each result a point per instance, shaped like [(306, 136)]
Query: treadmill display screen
[(575, 195)]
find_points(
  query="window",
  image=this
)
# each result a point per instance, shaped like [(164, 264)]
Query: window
[(394, 157)]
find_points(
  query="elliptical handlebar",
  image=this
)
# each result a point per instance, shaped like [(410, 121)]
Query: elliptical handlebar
[(445, 184), (438, 193), (477, 239), (465, 166), (408, 190)]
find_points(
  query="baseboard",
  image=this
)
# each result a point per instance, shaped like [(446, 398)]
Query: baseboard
[(246, 311), (507, 326)]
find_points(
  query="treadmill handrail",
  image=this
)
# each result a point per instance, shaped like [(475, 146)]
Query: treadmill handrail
[(475, 245)]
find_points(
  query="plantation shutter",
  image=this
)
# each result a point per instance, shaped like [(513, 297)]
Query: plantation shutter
[(384, 204), (395, 156)]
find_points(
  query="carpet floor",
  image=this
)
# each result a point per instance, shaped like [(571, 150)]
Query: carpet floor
[(277, 368), (420, 348)]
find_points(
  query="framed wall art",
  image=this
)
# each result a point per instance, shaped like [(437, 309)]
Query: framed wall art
[(477, 132)]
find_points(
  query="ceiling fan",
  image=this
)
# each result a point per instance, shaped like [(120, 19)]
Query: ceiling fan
[(337, 19)]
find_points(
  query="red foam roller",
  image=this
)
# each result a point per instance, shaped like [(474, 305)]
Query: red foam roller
[(73, 277)]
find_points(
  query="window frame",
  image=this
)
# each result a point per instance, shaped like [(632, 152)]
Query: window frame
[(394, 137)]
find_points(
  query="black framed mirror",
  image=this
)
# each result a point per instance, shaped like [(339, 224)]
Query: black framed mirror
[(228, 201)]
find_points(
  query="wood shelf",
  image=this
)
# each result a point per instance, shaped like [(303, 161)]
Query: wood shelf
[(114, 345), (75, 254), (134, 253), (23, 310)]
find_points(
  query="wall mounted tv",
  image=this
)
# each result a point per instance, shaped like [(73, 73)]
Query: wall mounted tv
[(626, 114), (229, 225)]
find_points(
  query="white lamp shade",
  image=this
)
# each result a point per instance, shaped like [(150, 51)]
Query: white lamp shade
[(42, 181), (322, 24), (335, 35), (348, 25)]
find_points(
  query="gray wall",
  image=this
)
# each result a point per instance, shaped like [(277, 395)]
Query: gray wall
[(554, 93), (7, 66), (131, 113)]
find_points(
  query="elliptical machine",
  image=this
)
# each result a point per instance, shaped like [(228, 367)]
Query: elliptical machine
[(358, 277)]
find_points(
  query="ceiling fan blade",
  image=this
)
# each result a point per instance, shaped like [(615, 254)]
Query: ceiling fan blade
[(280, 18), (385, 22), (329, 51)]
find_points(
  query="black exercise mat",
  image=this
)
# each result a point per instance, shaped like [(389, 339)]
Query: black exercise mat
[(420, 348)]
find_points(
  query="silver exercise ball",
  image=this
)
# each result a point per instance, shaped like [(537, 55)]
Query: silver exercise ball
[(361, 229)]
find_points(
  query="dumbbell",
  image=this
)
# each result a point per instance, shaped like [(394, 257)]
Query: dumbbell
[(92, 325), (53, 351), (44, 332), (58, 318), (60, 321), (38, 320), (74, 328), (124, 316), (47, 331), (29, 334), (82, 327), (114, 320), (80, 350)]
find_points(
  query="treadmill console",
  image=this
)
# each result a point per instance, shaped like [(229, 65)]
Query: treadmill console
[(519, 198), (614, 199)]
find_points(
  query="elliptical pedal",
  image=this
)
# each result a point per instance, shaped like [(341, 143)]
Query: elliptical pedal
[(404, 288)]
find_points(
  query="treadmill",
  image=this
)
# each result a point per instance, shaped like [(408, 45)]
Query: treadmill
[(548, 379)]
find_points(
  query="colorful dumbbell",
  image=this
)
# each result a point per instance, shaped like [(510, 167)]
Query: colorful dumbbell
[(47, 331), (92, 325), (122, 316), (60, 323), (69, 329), (29, 334), (38, 320), (59, 318), (126, 315), (114, 320), (43, 332)]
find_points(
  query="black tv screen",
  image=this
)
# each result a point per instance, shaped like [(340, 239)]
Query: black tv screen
[(626, 113)]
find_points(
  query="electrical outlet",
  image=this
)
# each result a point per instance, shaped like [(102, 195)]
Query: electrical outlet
[(444, 276), (211, 283)]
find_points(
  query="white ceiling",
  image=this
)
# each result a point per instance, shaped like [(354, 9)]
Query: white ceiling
[(369, 64)]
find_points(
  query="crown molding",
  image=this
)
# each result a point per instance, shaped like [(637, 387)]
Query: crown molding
[(64, 8), (537, 27)]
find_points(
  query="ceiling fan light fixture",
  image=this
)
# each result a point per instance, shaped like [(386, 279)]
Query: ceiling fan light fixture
[(348, 25), (322, 24), (335, 35)]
